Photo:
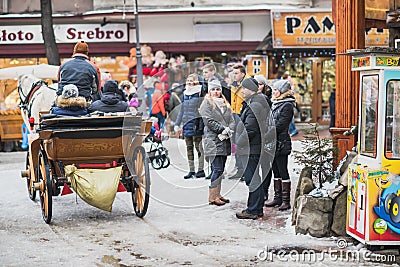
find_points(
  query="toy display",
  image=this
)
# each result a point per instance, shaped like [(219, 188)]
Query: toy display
[(373, 198)]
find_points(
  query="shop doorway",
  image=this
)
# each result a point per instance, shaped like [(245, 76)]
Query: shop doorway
[(313, 80)]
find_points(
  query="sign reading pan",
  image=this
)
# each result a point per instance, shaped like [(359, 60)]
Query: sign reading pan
[(65, 33), (303, 29), (313, 28)]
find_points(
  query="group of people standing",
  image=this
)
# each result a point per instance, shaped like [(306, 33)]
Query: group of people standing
[(217, 117)]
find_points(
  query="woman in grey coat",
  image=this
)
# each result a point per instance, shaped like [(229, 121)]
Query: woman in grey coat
[(218, 121)]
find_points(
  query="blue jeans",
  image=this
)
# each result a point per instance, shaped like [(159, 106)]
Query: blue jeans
[(292, 127), (217, 167), (255, 200)]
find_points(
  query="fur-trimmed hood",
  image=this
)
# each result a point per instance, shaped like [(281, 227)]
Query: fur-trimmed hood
[(71, 102)]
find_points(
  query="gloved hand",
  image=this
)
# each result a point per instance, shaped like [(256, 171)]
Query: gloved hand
[(222, 137), (176, 128), (227, 131)]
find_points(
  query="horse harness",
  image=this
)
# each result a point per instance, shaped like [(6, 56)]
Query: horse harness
[(26, 103)]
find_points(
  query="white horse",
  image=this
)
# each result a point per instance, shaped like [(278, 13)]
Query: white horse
[(35, 97)]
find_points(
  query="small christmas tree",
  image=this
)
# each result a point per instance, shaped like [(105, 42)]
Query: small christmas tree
[(317, 153)]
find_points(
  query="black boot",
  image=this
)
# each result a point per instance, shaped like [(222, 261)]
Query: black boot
[(285, 195), (189, 175), (200, 174), (277, 201)]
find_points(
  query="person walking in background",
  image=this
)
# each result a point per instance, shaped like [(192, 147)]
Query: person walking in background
[(239, 73), (219, 124), (282, 112), (175, 101), (249, 140), (210, 73), (192, 125), (292, 126), (157, 104)]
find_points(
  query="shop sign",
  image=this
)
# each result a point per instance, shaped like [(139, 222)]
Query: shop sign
[(65, 33), (361, 62), (314, 29), (377, 37), (303, 29), (387, 61)]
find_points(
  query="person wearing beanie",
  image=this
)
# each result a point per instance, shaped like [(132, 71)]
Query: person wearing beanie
[(193, 127), (282, 112), (218, 130), (81, 72), (250, 140), (210, 73), (110, 99), (69, 103)]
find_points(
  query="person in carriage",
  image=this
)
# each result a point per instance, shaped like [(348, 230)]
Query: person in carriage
[(81, 72), (111, 99), (69, 103)]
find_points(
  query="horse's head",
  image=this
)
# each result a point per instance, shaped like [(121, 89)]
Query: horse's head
[(25, 83)]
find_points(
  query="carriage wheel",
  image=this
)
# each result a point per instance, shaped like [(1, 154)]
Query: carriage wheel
[(394, 210), (45, 188), (141, 184), (29, 181)]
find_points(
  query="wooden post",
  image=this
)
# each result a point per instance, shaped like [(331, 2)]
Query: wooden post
[(350, 34)]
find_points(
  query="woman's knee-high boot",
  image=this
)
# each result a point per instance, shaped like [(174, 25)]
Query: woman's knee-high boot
[(285, 195), (277, 201)]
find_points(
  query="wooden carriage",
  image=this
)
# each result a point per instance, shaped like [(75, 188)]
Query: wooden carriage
[(96, 142)]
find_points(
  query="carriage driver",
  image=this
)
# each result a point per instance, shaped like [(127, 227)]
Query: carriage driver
[(80, 71)]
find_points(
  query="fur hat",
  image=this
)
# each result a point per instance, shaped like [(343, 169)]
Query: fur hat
[(81, 48), (251, 84), (282, 86), (110, 86), (214, 84), (69, 91)]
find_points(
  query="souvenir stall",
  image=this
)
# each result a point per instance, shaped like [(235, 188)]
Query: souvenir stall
[(374, 179)]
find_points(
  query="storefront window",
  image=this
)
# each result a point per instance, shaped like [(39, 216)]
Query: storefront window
[(369, 114), (392, 132), (328, 84), (302, 82)]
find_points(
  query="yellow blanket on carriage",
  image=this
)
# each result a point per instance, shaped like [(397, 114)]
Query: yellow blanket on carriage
[(96, 187)]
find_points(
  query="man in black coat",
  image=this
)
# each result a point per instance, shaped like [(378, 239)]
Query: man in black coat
[(250, 141), (111, 99)]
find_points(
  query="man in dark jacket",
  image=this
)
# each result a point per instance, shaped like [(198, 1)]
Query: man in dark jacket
[(249, 141), (110, 99), (80, 72), (210, 73)]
